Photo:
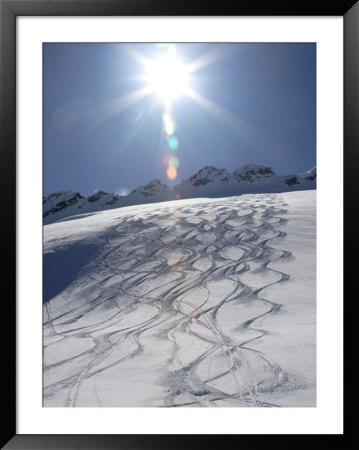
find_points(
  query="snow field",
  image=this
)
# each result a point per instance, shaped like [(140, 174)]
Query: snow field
[(124, 285)]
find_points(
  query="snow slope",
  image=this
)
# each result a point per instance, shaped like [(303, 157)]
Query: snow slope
[(199, 302), (208, 182)]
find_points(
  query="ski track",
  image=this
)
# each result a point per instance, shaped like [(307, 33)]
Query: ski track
[(157, 271)]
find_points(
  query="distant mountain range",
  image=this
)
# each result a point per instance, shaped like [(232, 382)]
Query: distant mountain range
[(207, 182)]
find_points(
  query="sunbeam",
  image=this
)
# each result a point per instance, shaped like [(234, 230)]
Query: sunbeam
[(212, 56), (136, 55), (109, 109), (241, 127)]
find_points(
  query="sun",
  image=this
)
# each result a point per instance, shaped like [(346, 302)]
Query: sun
[(167, 77)]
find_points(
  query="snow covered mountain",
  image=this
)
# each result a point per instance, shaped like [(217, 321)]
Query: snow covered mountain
[(251, 172), (209, 174), (207, 182)]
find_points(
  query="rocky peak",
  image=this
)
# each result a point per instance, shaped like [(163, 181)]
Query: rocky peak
[(209, 174), (97, 196), (250, 172), (58, 201), (311, 175), (150, 189)]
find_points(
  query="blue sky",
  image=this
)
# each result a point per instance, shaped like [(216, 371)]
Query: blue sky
[(104, 128)]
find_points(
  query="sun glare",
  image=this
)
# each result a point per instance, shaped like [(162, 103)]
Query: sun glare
[(167, 76)]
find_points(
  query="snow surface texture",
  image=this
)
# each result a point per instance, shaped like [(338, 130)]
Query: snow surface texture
[(208, 182), (201, 302)]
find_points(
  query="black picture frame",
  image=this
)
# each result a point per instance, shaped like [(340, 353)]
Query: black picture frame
[(9, 10)]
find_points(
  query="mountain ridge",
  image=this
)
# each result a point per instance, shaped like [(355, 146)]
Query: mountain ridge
[(207, 182)]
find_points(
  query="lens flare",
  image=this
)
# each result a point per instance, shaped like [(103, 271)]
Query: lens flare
[(173, 162), (166, 159), (169, 125), (170, 160), (172, 142), (172, 172)]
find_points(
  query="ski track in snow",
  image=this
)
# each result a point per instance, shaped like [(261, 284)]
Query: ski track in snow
[(155, 271)]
